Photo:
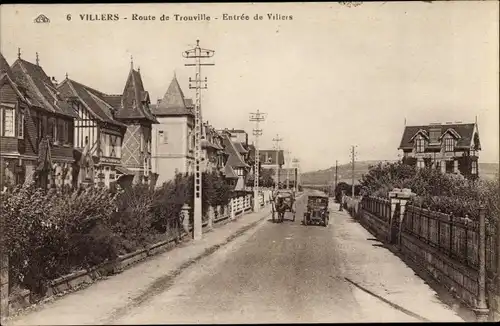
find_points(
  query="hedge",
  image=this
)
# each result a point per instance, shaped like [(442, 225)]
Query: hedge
[(445, 192), (49, 234)]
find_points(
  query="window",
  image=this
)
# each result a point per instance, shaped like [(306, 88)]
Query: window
[(142, 142), (8, 125), (449, 145), (163, 137), (118, 147), (420, 164), (474, 167), (450, 166), (149, 145), (434, 135), (60, 130), (20, 126), (420, 145), (112, 145)]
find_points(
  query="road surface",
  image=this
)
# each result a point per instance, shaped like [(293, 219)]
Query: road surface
[(292, 273)]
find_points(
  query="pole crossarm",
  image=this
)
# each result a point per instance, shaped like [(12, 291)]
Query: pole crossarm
[(197, 54)]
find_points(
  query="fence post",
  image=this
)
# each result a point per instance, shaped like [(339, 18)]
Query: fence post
[(231, 209), (185, 220), (211, 214), (481, 309)]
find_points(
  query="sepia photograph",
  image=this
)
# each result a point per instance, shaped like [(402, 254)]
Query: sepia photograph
[(249, 163)]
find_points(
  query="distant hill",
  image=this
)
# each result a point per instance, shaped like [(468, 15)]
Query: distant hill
[(488, 170), (344, 173)]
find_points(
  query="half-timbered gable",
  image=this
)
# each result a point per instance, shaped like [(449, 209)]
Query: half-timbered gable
[(45, 127), (133, 110), (97, 133)]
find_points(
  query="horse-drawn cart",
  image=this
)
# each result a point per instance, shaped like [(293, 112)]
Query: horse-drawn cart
[(283, 202)]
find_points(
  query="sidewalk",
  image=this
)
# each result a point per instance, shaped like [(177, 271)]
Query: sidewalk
[(380, 279), (94, 304)]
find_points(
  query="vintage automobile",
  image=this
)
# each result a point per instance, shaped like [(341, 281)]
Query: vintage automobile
[(317, 210), (283, 201)]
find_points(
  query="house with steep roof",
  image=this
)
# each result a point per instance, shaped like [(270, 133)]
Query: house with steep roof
[(98, 136), (173, 137), (236, 170), (449, 147), (214, 155), (132, 108), (37, 127)]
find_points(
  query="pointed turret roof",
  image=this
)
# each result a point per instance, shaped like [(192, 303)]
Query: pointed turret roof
[(134, 100), (173, 102)]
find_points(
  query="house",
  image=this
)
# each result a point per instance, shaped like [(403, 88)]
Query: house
[(236, 169), (173, 137), (98, 136), (132, 108), (449, 147), (272, 159), (37, 127), (214, 156)]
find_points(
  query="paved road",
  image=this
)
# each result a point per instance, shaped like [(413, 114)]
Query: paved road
[(293, 273)]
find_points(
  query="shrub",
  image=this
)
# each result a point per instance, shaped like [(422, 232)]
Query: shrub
[(50, 234), (132, 222), (448, 193)]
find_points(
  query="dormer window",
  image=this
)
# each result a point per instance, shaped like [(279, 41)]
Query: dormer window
[(420, 145), (449, 145)]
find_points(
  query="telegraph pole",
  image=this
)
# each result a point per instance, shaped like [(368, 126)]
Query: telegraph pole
[(295, 164), (336, 173), (197, 54), (288, 163), (353, 154), (277, 140), (256, 117)]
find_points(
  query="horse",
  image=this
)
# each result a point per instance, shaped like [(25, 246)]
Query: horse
[(281, 208)]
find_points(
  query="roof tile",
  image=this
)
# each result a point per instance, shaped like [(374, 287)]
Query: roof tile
[(45, 94), (465, 130)]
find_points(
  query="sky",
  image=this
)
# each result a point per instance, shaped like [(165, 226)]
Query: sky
[(331, 77)]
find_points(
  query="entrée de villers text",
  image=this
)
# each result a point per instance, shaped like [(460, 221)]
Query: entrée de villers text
[(178, 17)]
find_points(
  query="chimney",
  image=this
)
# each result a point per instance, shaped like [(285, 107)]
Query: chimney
[(449, 122), (458, 122)]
